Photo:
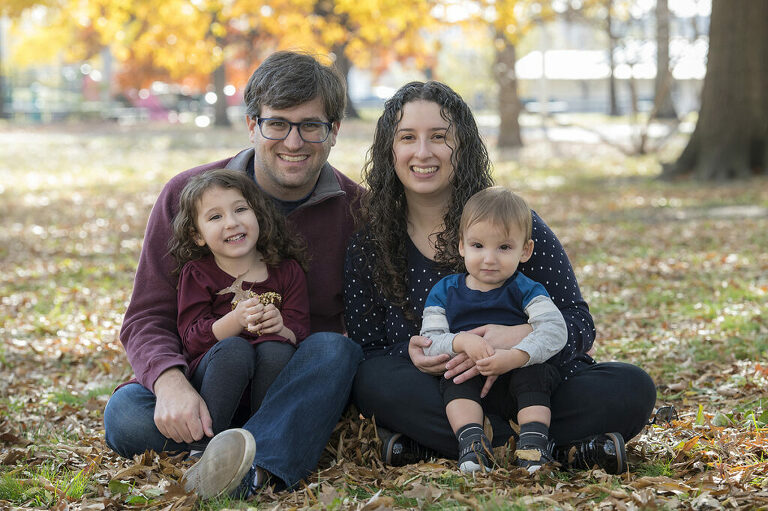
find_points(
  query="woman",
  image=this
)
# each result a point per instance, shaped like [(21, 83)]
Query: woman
[(426, 160)]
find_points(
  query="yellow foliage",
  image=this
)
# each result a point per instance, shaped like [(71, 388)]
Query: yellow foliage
[(15, 8), (178, 38)]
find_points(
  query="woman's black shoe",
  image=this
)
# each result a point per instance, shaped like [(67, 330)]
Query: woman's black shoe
[(606, 451), (398, 450)]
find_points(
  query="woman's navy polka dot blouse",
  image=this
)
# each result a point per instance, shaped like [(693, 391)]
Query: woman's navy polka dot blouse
[(382, 329)]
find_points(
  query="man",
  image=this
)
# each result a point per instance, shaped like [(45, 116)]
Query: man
[(294, 106)]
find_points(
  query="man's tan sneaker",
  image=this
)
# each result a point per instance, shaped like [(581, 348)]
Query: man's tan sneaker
[(226, 460)]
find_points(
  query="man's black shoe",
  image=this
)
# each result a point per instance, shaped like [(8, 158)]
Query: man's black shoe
[(398, 450), (606, 451)]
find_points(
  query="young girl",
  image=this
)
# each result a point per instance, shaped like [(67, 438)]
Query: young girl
[(242, 296)]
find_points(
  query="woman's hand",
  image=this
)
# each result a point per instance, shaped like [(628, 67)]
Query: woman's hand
[(431, 365), (461, 368), (504, 337)]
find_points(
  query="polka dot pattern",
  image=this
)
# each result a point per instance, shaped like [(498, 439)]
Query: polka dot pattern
[(382, 329)]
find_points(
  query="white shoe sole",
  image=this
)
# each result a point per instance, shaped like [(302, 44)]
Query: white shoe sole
[(470, 467), (226, 460)]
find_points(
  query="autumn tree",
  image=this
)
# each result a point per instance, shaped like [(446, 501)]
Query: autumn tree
[(508, 21), (371, 34), (731, 136), (610, 31), (663, 106), (190, 41), (512, 19)]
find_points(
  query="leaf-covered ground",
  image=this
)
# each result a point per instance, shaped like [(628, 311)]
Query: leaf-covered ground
[(676, 275)]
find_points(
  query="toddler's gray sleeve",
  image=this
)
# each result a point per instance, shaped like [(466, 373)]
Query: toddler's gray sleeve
[(549, 330), (435, 326)]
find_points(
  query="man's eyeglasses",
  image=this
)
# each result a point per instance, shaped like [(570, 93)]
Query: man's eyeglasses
[(314, 132)]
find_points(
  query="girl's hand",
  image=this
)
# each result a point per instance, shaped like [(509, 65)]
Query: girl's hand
[(247, 311), (431, 365), (254, 314), (269, 320)]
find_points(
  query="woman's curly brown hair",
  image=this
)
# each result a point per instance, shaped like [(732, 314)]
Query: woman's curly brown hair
[(384, 211), (275, 242)]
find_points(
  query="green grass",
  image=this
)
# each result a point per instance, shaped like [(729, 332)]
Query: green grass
[(11, 489), (78, 399), (655, 469), (44, 485)]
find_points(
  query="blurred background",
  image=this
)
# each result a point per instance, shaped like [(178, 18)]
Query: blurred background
[(627, 73), (187, 61)]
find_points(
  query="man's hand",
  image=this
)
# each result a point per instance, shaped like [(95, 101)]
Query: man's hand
[(504, 337), (180, 412), (431, 365)]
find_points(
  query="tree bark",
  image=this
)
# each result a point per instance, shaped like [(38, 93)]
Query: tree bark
[(509, 102), (344, 65), (220, 117), (2, 75), (663, 106), (612, 101), (731, 136)]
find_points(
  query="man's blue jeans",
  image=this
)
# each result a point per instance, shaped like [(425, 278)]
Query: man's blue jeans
[(292, 426)]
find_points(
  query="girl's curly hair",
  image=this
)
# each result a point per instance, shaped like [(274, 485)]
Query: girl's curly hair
[(275, 242), (384, 211)]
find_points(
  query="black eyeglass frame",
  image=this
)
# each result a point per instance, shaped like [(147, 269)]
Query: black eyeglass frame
[(329, 125)]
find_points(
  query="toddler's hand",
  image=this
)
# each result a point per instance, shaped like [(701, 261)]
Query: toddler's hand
[(475, 346), (502, 361)]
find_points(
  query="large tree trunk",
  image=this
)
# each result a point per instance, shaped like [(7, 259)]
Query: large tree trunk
[(344, 65), (220, 117), (509, 102), (663, 106), (731, 136)]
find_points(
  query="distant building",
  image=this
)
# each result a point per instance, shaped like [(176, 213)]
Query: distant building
[(577, 80)]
